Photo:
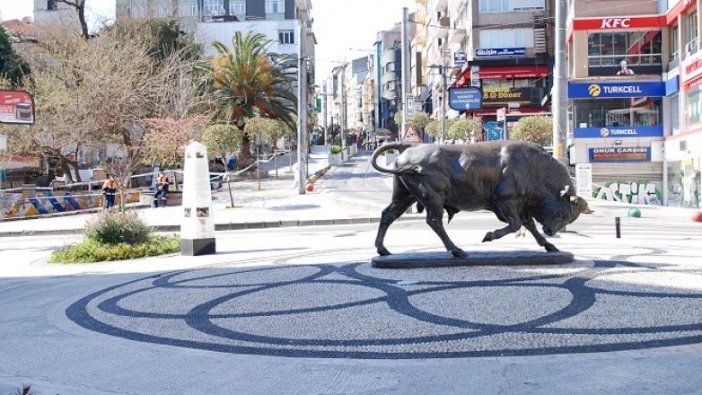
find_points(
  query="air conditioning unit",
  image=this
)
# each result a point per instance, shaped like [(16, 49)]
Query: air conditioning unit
[(540, 44), (691, 47)]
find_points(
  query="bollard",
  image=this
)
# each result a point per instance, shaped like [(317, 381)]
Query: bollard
[(197, 230), (618, 227)]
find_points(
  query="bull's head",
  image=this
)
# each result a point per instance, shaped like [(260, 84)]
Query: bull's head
[(567, 210)]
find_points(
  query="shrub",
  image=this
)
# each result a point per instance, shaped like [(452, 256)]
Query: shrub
[(115, 228), (91, 250), (335, 149)]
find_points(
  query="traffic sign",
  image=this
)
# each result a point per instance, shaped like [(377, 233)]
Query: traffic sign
[(465, 98)]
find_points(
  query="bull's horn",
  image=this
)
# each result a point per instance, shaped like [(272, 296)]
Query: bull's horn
[(588, 210), (565, 190)]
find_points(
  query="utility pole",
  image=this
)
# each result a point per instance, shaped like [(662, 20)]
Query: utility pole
[(559, 103), (342, 107), (405, 68), (444, 99), (301, 112), (324, 95)]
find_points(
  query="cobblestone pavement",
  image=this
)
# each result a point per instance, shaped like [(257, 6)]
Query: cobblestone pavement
[(333, 304)]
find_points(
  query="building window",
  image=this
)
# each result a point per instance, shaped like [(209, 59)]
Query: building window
[(507, 38), (625, 53), (286, 37), (599, 113), (237, 7), (213, 7), (275, 6), (691, 39), (674, 44), (492, 6), (51, 5), (188, 9)]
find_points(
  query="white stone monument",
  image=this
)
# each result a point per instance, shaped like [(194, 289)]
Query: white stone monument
[(197, 230)]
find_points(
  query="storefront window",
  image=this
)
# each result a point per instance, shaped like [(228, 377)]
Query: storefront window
[(693, 105), (684, 186), (625, 53), (674, 117), (617, 112)]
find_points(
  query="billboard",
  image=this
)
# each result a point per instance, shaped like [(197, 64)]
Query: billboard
[(620, 154), (579, 90), (16, 107)]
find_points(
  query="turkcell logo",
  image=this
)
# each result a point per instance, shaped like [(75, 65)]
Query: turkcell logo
[(616, 89), (595, 90), (619, 132)]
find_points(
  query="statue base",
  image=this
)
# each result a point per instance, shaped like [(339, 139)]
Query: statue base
[(195, 247), (418, 260)]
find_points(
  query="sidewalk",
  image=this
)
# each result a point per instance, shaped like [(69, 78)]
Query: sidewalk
[(277, 203)]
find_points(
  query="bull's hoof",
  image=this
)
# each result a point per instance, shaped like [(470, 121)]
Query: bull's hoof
[(488, 237), (382, 251), (551, 248), (459, 253)]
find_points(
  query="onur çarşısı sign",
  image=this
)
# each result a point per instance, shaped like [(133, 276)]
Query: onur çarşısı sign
[(16, 107), (620, 154)]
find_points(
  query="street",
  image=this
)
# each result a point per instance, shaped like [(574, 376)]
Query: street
[(299, 310)]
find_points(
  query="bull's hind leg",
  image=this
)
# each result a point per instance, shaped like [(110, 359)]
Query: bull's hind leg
[(435, 220), (531, 226), (402, 199)]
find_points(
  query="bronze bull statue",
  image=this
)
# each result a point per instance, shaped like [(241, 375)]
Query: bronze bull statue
[(517, 180)]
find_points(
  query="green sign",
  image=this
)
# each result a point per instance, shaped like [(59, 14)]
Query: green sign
[(319, 104)]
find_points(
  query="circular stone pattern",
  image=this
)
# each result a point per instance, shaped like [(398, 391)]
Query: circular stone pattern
[(302, 308)]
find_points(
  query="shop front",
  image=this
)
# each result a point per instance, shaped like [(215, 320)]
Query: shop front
[(618, 129), (513, 91)]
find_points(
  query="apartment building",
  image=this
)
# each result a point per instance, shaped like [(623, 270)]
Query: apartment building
[(635, 98)]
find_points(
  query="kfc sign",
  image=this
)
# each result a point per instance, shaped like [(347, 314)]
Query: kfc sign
[(641, 22), (692, 67), (616, 23)]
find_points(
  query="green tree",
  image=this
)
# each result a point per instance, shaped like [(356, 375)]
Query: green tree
[(420, 120), (433, 127), (247, 81), (12, 66), (538, 129), (463, 129)]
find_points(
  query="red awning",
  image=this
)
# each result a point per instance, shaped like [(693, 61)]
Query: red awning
[(511, 72)]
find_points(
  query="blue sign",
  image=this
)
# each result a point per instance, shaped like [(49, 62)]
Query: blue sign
[(578, 90), (494, 131), (672, 86), (500, 52), (459, 58), (465, 98), (620, 154), (618, 132)]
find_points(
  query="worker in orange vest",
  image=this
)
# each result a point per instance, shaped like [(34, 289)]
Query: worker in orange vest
[(109, 190)]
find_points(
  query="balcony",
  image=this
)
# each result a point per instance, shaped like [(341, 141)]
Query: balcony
[(457, 36)]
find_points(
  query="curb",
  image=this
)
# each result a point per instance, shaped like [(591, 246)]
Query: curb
[(221, 227)]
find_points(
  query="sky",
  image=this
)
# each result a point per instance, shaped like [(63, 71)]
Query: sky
[(346, 30)]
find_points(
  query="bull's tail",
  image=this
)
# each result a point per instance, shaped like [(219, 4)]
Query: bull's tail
[(386, 147)]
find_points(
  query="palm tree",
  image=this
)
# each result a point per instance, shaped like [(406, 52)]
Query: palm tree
[(248, 81)]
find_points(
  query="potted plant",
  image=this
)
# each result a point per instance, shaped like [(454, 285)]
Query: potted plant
[(390, 156), (335, 158)]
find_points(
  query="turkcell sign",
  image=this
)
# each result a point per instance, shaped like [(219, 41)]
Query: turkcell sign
[(579, 90), (465, 98), (500, 52), (618, 132)]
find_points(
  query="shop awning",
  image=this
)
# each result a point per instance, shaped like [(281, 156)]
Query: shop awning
[(510, 72)]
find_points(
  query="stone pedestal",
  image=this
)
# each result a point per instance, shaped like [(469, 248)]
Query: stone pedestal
[(481, 258)]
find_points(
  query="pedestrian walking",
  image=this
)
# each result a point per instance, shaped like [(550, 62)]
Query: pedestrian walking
[(162, 184), (109, 190)]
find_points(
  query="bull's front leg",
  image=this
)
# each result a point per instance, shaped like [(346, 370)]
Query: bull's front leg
[(509, 212), (531, 227)]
